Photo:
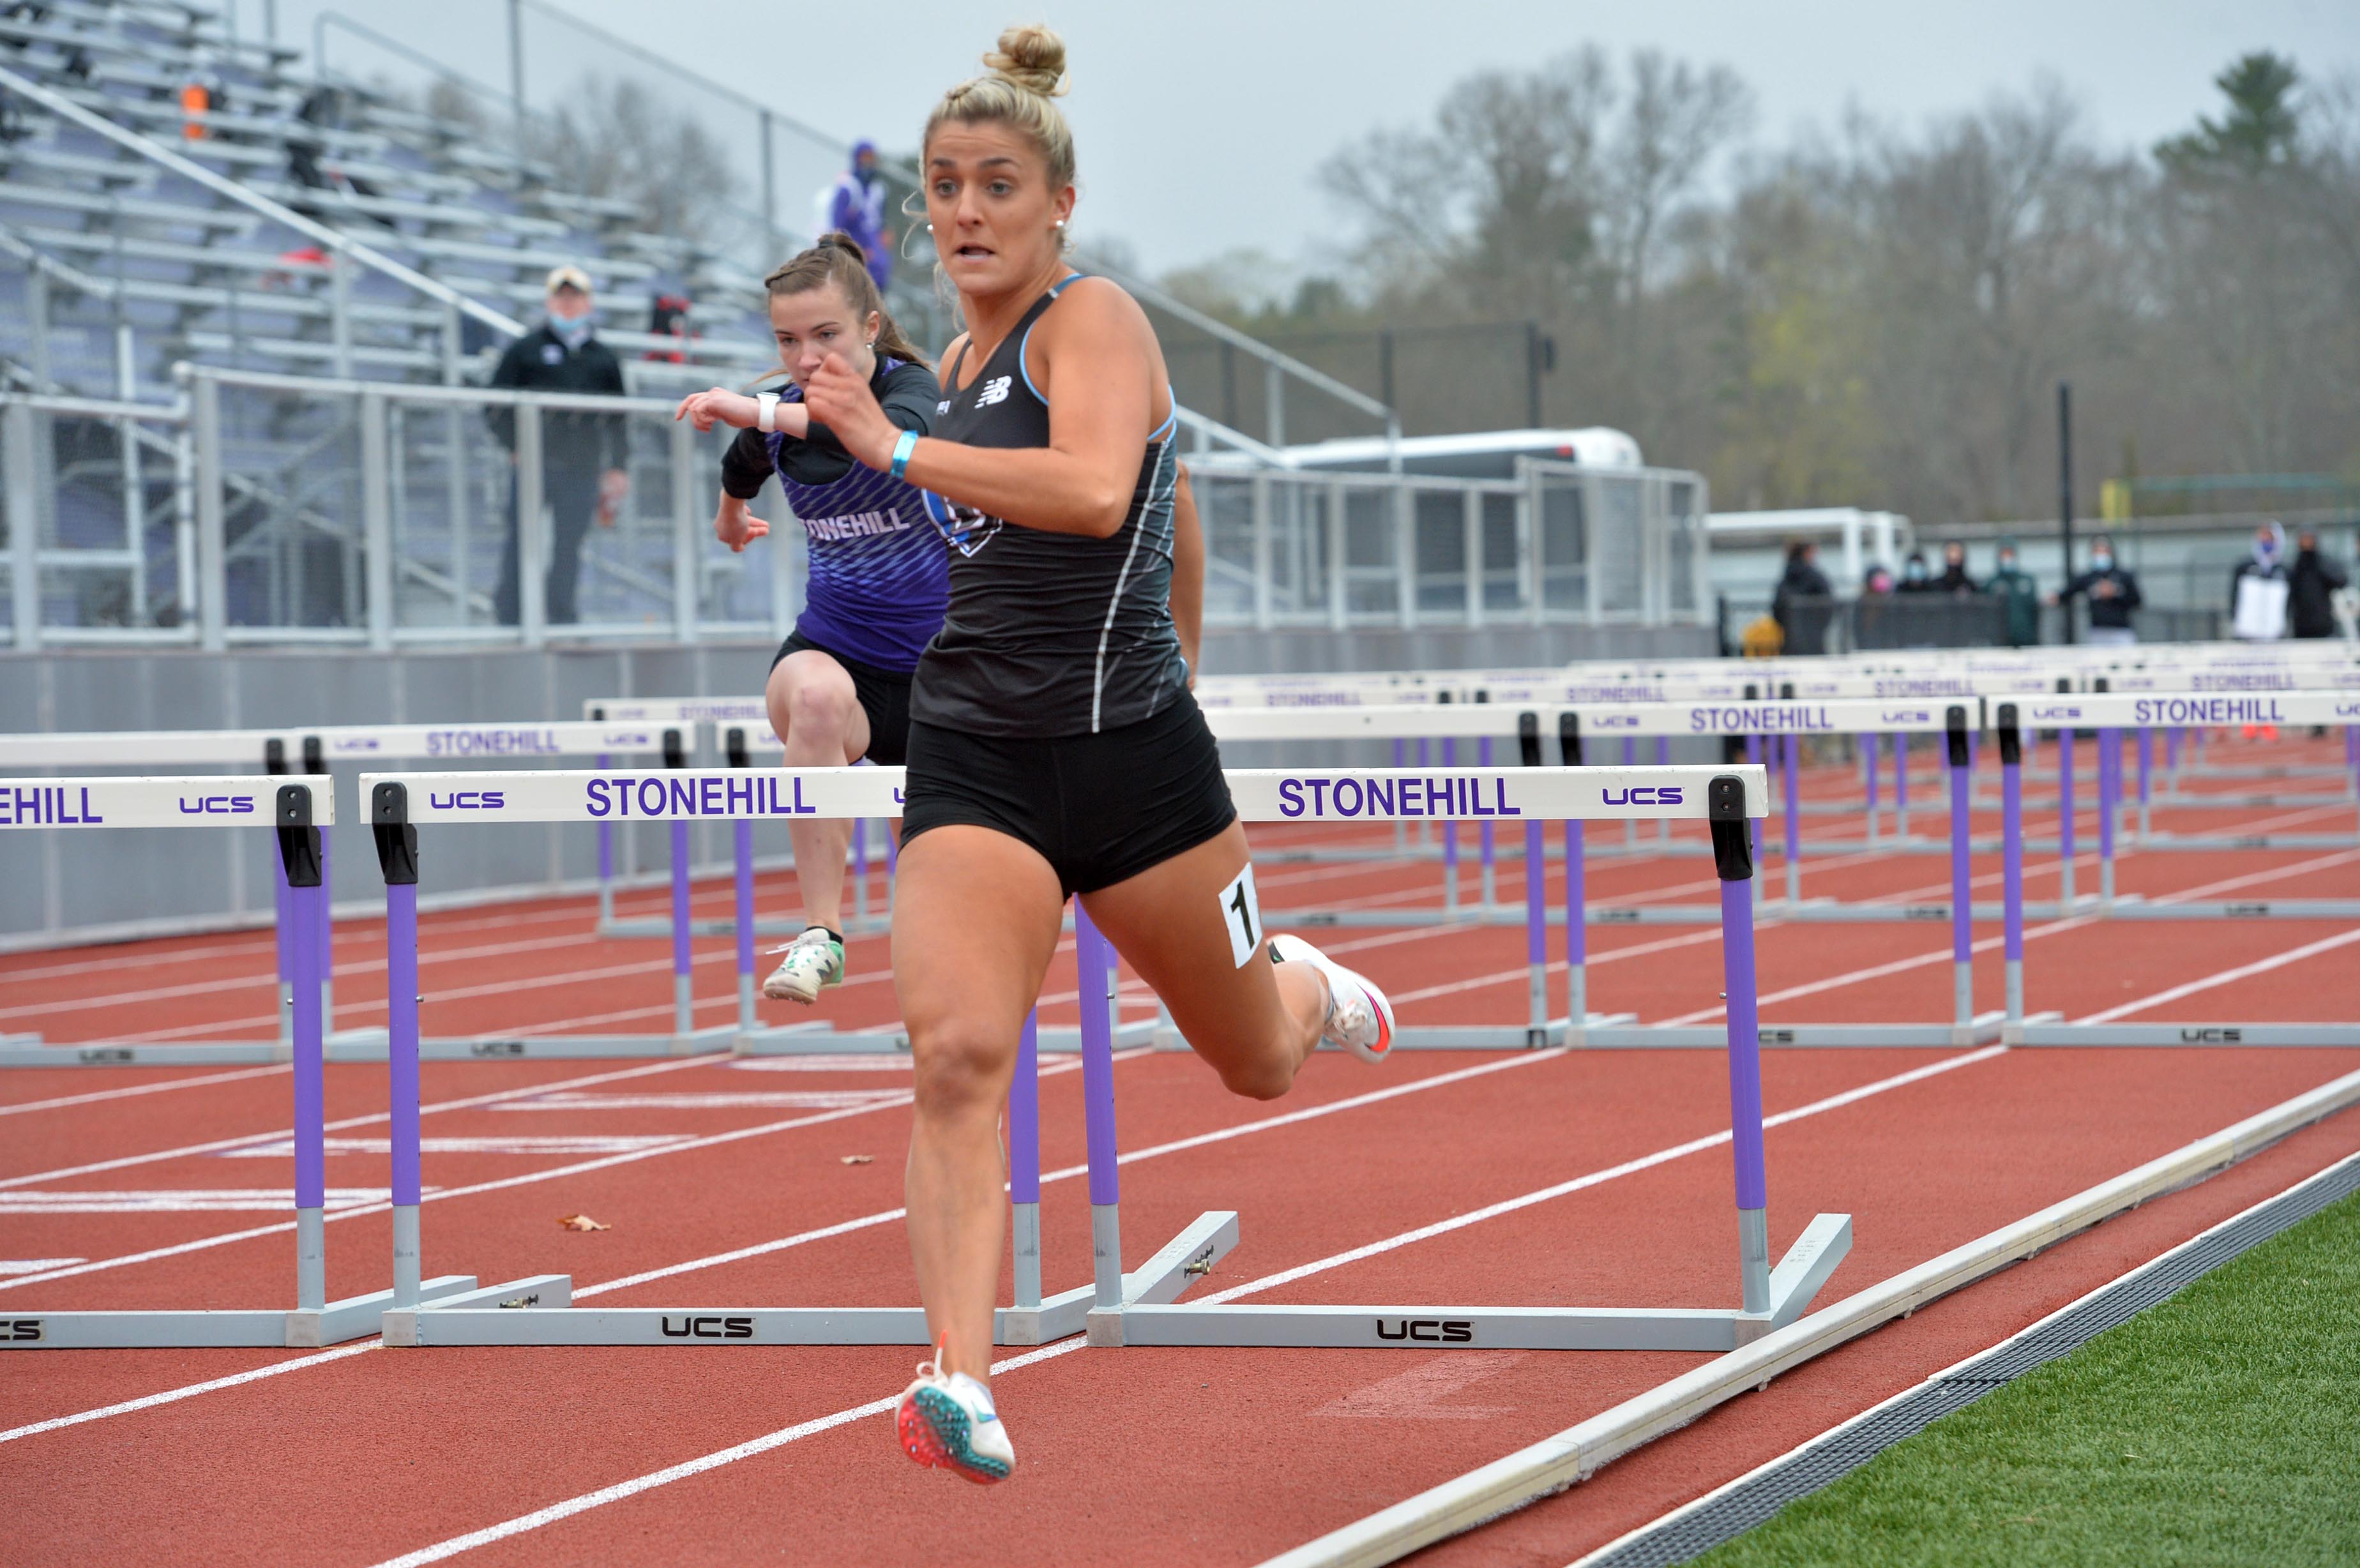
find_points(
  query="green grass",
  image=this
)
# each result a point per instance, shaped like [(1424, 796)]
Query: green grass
[(2221, 1427)]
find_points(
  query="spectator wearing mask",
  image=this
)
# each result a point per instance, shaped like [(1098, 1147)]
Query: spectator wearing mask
[(1954, 579), (2259, 589), (2311, 588), (581, 455), (1802, 626), (2018, 594), (2113, 591), (855, 205), (1914, 577), (1878, 581)]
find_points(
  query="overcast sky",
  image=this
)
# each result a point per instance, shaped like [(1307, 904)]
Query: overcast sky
[(1200, 127)]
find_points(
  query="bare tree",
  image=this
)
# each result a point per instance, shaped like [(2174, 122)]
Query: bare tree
[(615, 138)]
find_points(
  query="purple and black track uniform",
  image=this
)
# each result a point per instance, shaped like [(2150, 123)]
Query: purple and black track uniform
[(878, 576)]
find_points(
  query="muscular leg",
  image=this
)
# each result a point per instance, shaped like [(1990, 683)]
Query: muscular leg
[(975, 918), (814, 710), (1256, 1023)]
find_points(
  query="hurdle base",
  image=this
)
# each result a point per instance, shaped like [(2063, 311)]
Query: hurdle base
[(1986, 1029), (356, 1317), (1797, 1278), (714, 1042), (506, 1314), (1498, 1037), (635, 927), (825, 1040), (2034, 1033)]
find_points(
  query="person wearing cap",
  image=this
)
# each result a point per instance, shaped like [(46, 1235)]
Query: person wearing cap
[(855, 205), (583, 476)]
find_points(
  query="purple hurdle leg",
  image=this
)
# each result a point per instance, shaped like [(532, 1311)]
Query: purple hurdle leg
[(327, 920), (2065, 817), (310, 1113), (1576, 929), (742, 832), (2011, 807), (1736, 868), (1024, 1161), (1754, 744), (401, 1078), (1092, 963), (606, 864), (1485, 837), (1901, 786), (683, 1009), (1870, 744), (1630, 825), (2146, 767), (1536, 930), (1450, 829), (860, 869), (1664, 760), (2172, 741), (281, 926), (2109, 782), (1962, 907), (1789, 775)]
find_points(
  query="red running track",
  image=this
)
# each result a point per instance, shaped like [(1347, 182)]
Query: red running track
[(364, 1455)]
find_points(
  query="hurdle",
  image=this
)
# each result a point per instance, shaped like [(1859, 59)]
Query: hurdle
[(152, 749), (539, 1310), (295, 811), (1730, 800)]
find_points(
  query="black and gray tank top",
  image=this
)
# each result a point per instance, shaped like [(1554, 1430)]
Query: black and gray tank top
[(1048, 634)]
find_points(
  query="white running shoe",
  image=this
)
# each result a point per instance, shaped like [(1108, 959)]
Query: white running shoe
[(1360, 1018), (947, 1423), (813, 960)]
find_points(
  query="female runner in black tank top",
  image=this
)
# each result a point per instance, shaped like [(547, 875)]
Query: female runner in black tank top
[(1054, 746)]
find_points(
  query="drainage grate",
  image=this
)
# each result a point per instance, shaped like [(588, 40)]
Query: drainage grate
[(1729, 1514)]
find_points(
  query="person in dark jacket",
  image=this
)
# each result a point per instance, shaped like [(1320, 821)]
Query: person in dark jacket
[(1803, 625), (581, 455), (1914, 577), (2019, 597), (2311, 607), (1954, 579), (2113, 591)]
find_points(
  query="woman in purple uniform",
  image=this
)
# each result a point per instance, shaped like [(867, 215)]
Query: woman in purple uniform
[(839, 687)]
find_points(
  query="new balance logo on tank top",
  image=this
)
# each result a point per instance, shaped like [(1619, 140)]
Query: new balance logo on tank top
[(1048, 634), (876, 581)]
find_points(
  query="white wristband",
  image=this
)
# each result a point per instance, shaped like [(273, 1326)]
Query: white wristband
[(766, 417)]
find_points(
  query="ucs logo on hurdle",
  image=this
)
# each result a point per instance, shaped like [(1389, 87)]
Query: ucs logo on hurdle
[(1430, 1331), (709, 1328), (1643, 795), (24, 1328)]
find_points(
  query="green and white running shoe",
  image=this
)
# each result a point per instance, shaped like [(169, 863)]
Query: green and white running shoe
[(947, 1423), (813, 960)]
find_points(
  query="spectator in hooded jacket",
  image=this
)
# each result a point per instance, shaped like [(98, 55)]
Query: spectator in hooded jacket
[(856, 206), (2113, 591), (1803, 628), (2312, 585), (1954, 579), (2259, 589), (2018, 594)]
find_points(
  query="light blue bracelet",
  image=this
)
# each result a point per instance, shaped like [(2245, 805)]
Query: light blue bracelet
[(901, 450)]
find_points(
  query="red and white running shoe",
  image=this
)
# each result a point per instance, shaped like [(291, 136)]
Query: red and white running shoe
[(946, 1422), (1360, 1018)]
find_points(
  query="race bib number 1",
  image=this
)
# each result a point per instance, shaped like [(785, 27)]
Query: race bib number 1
[(1242, 912)]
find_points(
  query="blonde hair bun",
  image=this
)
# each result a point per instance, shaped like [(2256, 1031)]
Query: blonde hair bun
[(1034, 58)]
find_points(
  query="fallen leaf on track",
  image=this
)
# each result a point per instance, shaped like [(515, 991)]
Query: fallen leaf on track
[(581, 1221), (858, 1158)]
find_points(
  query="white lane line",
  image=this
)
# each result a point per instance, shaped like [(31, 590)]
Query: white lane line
[(188, 1391), (175, 1201), (33, 1265), (555, 1512), (469, 1102), (530, 1143), (551, 1515), (130, 1090), (2261, 966)]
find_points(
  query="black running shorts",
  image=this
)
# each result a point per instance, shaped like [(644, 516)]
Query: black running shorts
[(1100, 809), (884, 696)]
